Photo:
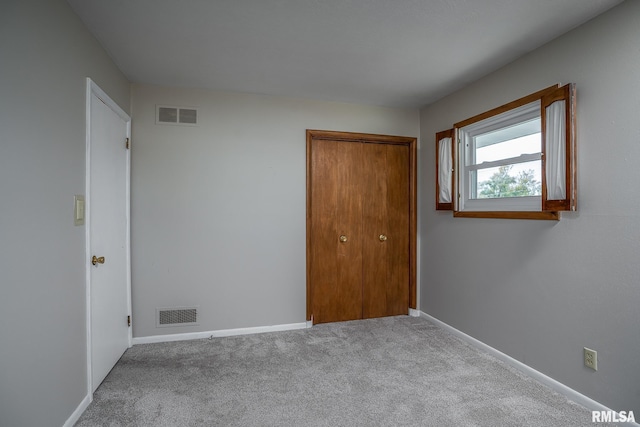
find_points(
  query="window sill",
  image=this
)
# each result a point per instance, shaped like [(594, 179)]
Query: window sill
[(555, 216)]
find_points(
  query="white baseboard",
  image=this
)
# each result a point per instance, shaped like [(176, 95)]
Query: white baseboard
[(78, 412), (414, 313), (218, 334), (557, 386)]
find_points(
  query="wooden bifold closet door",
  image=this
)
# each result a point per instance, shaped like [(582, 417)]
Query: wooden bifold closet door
[(360, 220)]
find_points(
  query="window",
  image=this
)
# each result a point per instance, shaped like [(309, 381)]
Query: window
[(500, 158), (515, 161)]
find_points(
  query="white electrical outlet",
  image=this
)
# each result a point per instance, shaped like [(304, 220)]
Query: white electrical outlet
[(591, 358)]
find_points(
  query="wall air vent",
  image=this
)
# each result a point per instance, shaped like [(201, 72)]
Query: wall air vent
[(176, 316), (183, 116)]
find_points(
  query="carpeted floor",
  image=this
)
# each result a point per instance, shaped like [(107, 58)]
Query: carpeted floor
[(396, 371)]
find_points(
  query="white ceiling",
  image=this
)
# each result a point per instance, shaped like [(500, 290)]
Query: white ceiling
[(405, 53)]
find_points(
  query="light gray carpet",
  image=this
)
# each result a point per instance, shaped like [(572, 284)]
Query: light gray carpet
[(396, 371)]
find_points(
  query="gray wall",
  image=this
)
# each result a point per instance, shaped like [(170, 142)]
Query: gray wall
[(541, 291), (218, 210), (45, 55)]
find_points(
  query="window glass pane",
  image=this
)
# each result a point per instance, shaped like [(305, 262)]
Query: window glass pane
[(516, 180), (513, 141), (513, 148)]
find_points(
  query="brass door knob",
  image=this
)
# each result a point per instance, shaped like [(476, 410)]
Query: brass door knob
[(383, 238), (97, 260), (343, 238)]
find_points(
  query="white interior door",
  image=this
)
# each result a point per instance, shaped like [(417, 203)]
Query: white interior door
[(108, 228)]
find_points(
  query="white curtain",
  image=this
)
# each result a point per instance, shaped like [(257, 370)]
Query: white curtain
[(444, 170), (556, 151)]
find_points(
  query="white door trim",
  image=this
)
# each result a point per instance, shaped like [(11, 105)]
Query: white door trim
[(94, 90)]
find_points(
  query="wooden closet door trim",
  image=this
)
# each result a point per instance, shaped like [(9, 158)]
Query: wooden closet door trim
[(359, 137), (413, 221), (413, 192), (309, 254)]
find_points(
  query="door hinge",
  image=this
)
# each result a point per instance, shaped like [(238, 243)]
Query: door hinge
[(126, 144), (128, 320)]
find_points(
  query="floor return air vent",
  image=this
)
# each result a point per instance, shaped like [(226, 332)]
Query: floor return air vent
[(176, 316)]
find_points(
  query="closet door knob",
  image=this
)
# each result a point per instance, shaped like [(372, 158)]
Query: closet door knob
[(383, 238), (97, 260), (343, 238)]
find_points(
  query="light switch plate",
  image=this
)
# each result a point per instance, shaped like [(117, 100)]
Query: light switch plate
[(78, 209)]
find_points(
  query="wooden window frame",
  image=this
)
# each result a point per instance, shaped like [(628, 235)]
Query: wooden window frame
[(565, 93), (449, 133), (550, 209)]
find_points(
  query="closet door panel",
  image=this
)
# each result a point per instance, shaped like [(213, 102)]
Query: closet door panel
[(375, 269), (398, 242), (336, 210), (386, 231)]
